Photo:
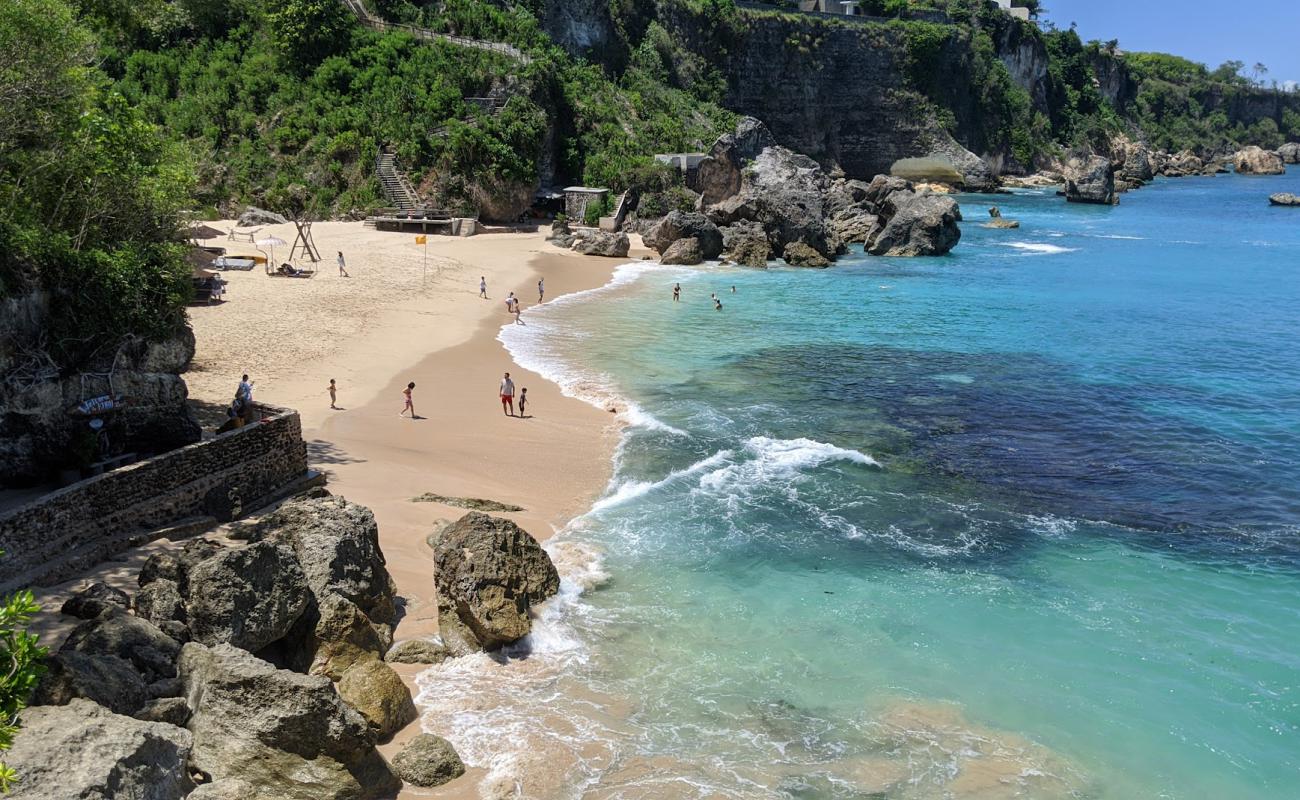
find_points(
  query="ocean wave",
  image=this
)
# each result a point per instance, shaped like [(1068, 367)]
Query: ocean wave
[(777, 460), (1038, 248)]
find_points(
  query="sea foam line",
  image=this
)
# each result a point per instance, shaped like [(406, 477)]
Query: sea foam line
[(1036, 248)]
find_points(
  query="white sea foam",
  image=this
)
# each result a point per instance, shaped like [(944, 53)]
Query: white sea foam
[(1038, 248), (630, 490), (777, 460)]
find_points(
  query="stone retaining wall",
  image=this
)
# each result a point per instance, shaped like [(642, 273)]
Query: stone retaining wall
[(48, 540)]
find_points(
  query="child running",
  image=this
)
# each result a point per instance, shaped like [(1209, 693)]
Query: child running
[(410, 406)]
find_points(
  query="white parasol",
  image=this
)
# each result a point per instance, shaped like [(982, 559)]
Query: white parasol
[(271, 242)]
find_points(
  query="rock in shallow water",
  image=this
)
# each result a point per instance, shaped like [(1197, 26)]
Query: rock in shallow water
[(916, 225), (1257, 161), (377, 691), (1090, 180), (428, 761), (1284, 199), (685, 252)]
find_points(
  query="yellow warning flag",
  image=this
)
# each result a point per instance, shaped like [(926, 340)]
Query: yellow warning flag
[(422, 240)]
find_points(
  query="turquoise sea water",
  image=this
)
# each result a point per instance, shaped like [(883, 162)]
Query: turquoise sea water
[(1019, 522)]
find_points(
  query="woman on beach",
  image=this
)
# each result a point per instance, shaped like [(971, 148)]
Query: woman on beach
[(343, 272), (410, 406), (482, 288), (518, 308), (507, 396), (541, 289)]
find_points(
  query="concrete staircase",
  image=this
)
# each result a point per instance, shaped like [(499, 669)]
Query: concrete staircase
[(397, 187)]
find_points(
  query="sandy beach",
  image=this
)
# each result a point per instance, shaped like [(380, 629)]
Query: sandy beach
[(392, 322)]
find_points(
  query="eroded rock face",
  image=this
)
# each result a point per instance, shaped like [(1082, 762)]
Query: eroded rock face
[(283, 733), (489, 573), (259, 216), (337, 545), (340, 635), (248, 597), (745, 243), (916, 225), (720, 173), (678, 225), (798, 254), (94, 600), (427, 761), (1289, 153), (83, 751), (1090, 180), (684, 251), (378, 693), (1256, 161), (592, 242)]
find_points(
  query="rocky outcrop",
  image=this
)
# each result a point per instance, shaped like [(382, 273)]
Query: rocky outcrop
[(1090, 179), (428, 761), (248, 597), (745, 243), (851, 219), (417, 651), (916, 225), (592, 242), (996, 220), (1180, 164), (94, 600), (798, 254), (684, 252), (489, 573), (283, 733), (1284, 199), (83, 751), (148, 650), (1132, 160), (1257, 161), (259, 216), (947, 162), (110, 681), (374, 689), (678, 225), (1289, 153)]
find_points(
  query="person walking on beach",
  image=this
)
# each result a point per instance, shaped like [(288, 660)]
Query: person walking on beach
[(482, 288), (333, 390), (523, 400), (410, 405), (343, 272), (677, 292), (507, 396), (541, 289), (518, 308)]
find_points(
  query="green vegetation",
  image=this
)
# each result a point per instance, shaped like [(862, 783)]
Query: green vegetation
[(90, 193), (23, 659)]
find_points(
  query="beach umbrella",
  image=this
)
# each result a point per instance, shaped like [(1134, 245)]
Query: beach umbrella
[(271, 242)]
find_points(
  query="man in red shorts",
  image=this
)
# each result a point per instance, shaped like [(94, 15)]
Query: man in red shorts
[(508, 396)]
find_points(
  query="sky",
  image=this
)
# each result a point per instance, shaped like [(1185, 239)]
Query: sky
[(1266, 31)]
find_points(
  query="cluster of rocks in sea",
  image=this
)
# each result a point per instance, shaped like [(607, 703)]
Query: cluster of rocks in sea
[(260, 669)]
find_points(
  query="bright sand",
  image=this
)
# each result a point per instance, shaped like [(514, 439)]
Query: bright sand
[(392, 322)]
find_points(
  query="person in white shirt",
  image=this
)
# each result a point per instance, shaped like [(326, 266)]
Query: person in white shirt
[(507, 396), (541, 289), (482, 288), (343, 272)]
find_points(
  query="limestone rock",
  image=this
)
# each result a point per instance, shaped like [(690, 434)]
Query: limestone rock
[(685, 252), (337, 636), (285, 734), (997, 221), (175, 565), (231, 789), (94, 600), (560, 227), (745, 243), (1256, 161), (1181, 164), (83, 751), (171, 710), (160, 601), (150, 651), (248, 597), (591, 242), (916, 225), (678, 225), (489, 573), (337, 545), (259, 216), (428, 760), (107, 680), (417, 651), (373, 688), (720, 173), (1214, 167), (1284, 199), (1289, 153), (1090, 180), (798, 254)]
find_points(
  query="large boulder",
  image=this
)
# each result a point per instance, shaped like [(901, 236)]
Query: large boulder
[(285, 734), (373, 688), (592, 242), (1289, 153), (83, 751), (427, 761), (947, 162), (1181, 164), (798, 254), (248, 597), (489, 573), (150, 652), (852, 219), (110, 681), (1090, 180), (259, 216), (337, 545), (916, 225), (160, 602), (1257, 161), (684, 252), (748, 177), (678, 225), (94, 600), (417, 651), (1284, 199), (332, 637), (175, 565), (746, 243)]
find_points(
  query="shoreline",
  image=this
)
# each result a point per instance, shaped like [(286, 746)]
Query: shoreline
[(554, 463)]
